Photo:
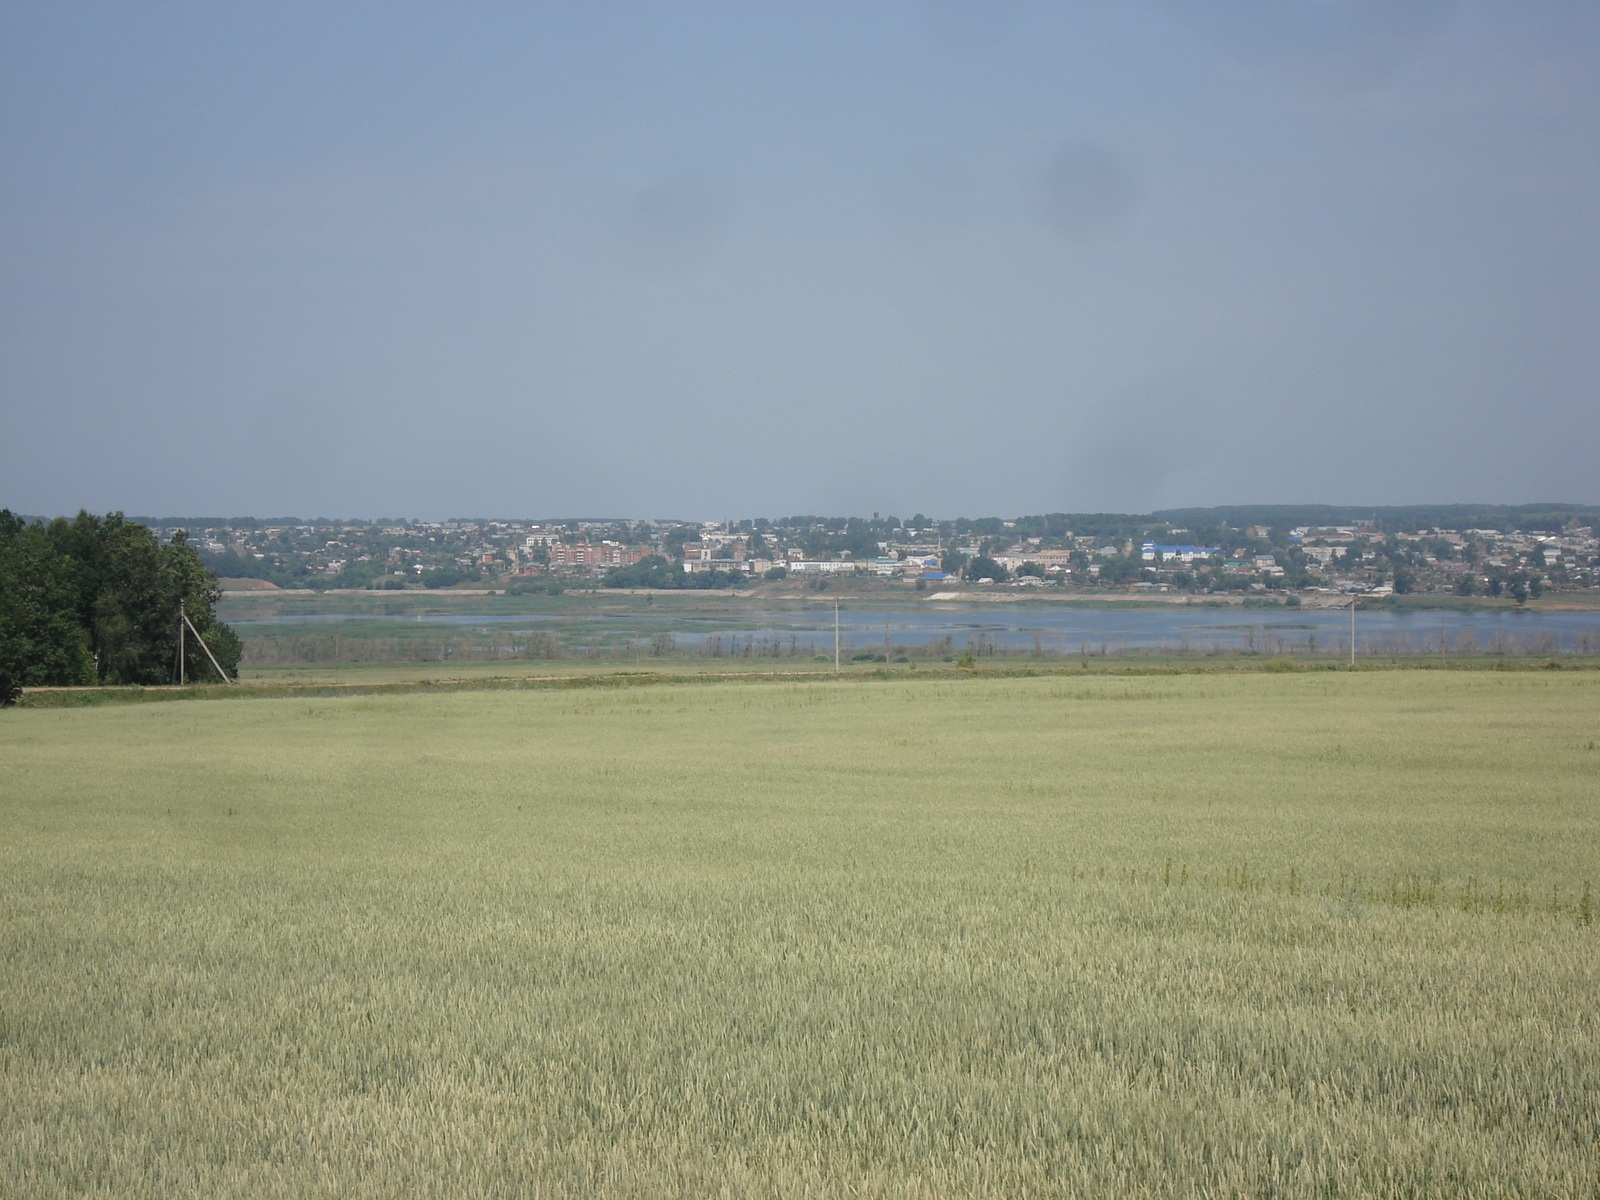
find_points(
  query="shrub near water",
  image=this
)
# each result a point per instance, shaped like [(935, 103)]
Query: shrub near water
[(991, 937)]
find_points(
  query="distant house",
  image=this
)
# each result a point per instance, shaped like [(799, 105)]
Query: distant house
[(1050, 560), (1153, 552), (1267, 563), (718, 546)]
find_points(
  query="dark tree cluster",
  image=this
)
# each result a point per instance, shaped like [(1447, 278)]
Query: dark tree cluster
[(984, 567), (97, 600), (1545, 517), (653, 571)]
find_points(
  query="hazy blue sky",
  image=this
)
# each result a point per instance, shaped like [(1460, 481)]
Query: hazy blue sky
[(741, 259)]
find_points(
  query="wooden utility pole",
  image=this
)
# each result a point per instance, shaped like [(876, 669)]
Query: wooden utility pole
[(221, 674), (836, 637)]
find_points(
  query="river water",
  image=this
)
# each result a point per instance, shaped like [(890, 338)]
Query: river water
[(1067, 631), (1084, 631)]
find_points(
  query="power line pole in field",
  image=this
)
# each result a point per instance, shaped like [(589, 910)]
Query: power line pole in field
[(836, 636)]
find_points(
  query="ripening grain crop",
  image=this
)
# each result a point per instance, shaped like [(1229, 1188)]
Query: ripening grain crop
[(1292, 935)]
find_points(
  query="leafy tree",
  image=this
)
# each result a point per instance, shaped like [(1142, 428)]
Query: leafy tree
[(132, 589), (652, 571), (984, 567), (1118, 568), (41, 640), (853, 537), (1525, 584), (533, 587), (440, 577), (105, 591), (359, 574), (230, 564), (672, 541)]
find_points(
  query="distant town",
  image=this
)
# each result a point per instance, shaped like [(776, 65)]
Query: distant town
[(1519, 554)]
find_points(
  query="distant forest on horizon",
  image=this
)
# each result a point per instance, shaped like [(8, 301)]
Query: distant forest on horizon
[(1548, 516)]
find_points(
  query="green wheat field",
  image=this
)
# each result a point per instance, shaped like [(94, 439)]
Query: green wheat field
[(1313, 934)]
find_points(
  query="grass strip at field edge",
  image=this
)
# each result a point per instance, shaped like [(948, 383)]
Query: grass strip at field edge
[(82, 697)]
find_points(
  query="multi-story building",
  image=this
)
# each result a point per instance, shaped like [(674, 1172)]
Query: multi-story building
[(583, 554)]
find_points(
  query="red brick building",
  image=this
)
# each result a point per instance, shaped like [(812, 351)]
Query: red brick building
[(582, 554)]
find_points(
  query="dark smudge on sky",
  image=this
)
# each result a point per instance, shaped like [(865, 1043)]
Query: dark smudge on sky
[(671, 226), (1084, 190)]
